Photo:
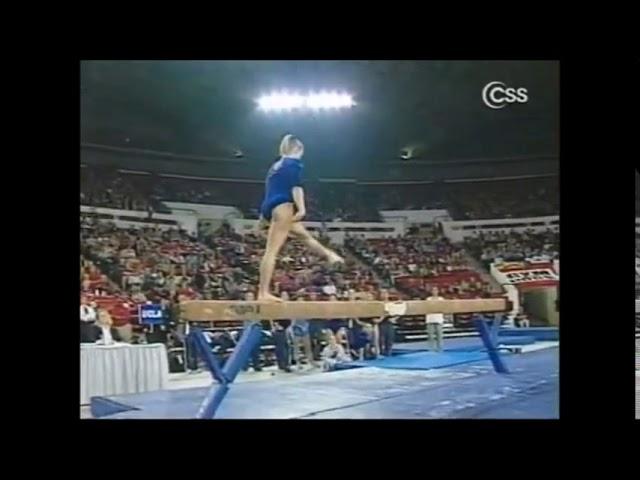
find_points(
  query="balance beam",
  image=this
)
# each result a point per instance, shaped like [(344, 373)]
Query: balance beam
[(221, 310)]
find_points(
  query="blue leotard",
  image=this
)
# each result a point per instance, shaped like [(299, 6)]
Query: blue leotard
[(283, 175)]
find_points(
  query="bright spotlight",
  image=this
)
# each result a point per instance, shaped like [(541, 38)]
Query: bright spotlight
[(314, 101)]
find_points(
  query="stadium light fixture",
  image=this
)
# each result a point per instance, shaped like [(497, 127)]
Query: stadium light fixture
[(281, 101)]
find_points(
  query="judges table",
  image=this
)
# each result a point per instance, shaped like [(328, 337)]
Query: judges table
[(121, 369)]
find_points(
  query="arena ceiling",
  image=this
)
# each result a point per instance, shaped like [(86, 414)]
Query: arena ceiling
[(207, 109)]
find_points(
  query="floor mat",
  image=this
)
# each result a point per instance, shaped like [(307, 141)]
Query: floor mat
[(424, 360), (472, 390)]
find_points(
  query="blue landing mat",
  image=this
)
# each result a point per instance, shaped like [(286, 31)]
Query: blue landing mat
[(471, 348), (519, 340), (423, 360), (286, 398), (448, 343), (539, 333), (466, 391), (473, 344), (530, 392)]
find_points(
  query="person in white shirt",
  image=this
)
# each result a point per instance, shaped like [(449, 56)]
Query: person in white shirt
[(88, 318), (329, 289), (87, 312), (434, 323), (105, 324)]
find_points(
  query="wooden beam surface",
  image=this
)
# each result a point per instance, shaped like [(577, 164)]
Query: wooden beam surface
[(221, 310), (479, 305)]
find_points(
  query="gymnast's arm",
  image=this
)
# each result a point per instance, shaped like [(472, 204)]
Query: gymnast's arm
[(298, 200), (295, 180)]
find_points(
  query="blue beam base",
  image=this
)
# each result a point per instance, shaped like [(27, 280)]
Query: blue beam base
[(489, 341), (249, 340), (198, 341), (212, 400)]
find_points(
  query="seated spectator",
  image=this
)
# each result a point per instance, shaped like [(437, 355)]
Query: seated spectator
[(127, 253), (121, 321), (333, 353), (104, 323), (88, 317), (133, 280), (221, 342), (342, 337), (329, 289), (157, 333), (138, 296), (360, 336), (336, 324), (522, 320)]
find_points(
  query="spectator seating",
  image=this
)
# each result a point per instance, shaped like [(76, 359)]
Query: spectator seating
[(351, 201), (513, 246), (415, 264)]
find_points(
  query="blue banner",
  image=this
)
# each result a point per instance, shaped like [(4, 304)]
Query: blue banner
[(151, 314)]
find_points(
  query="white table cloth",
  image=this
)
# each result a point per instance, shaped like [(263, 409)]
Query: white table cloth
[(122, 369)]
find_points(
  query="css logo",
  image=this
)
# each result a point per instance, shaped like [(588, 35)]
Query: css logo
[(495, 95)]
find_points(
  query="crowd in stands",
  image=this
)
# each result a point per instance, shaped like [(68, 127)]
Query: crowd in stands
[(123, 268), (414, 264), (469, 200), (148, 264), (106, 187), (504, 199), (513, 246)]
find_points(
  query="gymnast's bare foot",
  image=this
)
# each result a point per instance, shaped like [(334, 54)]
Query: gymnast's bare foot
[(267, 297)]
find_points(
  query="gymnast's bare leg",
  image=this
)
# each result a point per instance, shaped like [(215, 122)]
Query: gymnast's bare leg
[(281, 222), (299, 231)]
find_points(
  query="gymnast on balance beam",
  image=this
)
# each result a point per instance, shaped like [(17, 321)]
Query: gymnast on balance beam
[(283, 208)]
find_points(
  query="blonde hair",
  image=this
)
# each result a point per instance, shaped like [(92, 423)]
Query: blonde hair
[(290, 144)]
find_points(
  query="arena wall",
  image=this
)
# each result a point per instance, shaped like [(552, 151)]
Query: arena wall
[(205, 212), (415, 216)]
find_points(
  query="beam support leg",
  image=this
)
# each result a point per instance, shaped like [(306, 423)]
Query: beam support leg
[(199, 342), (249, 340), (492, 348)]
